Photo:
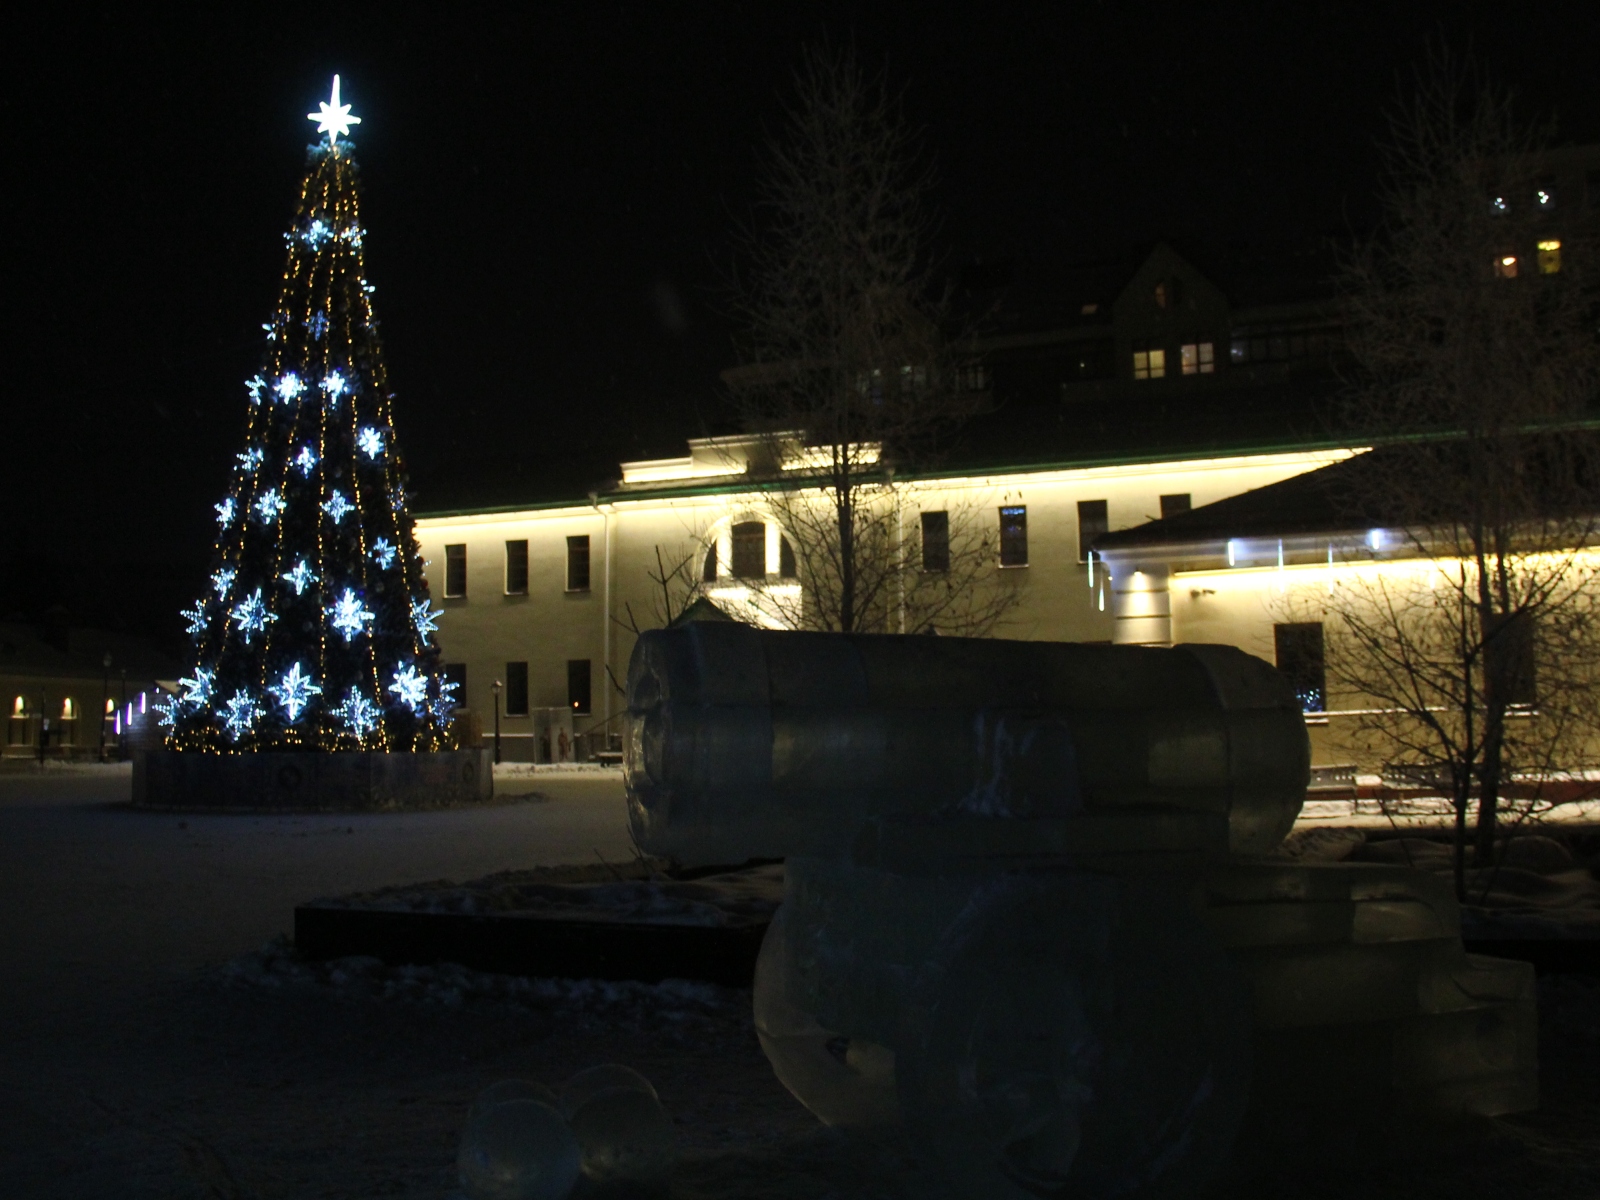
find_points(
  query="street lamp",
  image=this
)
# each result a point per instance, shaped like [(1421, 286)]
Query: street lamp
[(496, 690), (105, 696)]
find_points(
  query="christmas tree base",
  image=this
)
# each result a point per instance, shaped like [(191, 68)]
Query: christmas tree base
[(311, 781)]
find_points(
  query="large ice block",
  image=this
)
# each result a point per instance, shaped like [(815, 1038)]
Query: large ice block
[(745, 743)]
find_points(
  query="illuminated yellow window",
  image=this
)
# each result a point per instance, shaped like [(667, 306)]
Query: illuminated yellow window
[(1506, 266), (111, 707), (1549, 257), (68, 709), (19, 707), (1149, 364), (1198, 358)]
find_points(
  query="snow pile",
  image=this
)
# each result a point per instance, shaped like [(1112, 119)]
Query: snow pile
[(672, 1003), (742, 897), (526, 770)]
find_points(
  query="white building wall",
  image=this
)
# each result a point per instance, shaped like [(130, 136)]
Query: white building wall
[(486, 628)]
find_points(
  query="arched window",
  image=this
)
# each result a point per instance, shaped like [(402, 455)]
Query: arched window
[(785, 559), (709, 573), (19, 707), (68, 709)]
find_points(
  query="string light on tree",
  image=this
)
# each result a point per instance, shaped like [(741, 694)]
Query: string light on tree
[(168, 709), (291, 659)]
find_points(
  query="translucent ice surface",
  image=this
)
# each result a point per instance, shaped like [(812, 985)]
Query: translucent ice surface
[(518, 1150), (624, 1134), (512, 1089), (577, 1090)]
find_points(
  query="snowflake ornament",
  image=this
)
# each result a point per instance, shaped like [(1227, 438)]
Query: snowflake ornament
[(317, 325), (256, 385), (289, 386), (196, 617), (383, 553), (336, 506), (360, 715), (272, 331), (170, 708), (223, 580), (335, 384), (425, 621), (299, 577), (316, 233), (253, 616), (240, 713), (198, 688), (445, 703), (370, 442), (224, 512), (294, 691), (250, 460), (411, 687), (306, 461), (269, 506), (349, 616)]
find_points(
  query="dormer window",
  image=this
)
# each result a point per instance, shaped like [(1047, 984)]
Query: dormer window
[(1162, 296)]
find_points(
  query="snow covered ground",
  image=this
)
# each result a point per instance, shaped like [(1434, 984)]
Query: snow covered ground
[(158, 1040)]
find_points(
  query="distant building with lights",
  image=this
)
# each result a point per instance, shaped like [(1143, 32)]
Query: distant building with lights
[(1122, 395)]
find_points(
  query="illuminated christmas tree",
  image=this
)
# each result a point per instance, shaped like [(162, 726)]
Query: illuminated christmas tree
[(316, 633)]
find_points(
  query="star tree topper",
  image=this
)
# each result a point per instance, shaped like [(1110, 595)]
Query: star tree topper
[(334, 118)]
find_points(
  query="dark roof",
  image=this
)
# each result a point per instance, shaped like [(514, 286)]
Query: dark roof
[(58, 651), (1347, 496)]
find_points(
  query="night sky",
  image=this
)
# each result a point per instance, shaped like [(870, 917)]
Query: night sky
[(549, 198)]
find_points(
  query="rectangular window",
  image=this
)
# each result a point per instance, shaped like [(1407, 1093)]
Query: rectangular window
[(935, 541), (1092, 522), (1149, 364), (1509, 659), (749, 550), (516, 689), (975, 377), (455, 571), (578, 563), (517, 568), (1014, 536), (1549, 257), (456, 673), (1299, 653), (1198, 358), (1239, 352), (1172, 505), (579, 678), (1506, 266)]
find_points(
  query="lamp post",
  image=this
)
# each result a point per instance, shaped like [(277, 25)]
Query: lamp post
[(496, 690), (122, 742), (105, 696)]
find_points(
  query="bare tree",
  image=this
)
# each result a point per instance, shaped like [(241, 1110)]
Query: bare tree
[(1472, 329), (848, 367)]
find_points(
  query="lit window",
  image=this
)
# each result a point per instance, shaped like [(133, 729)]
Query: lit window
[(1549, 257), (68, 710), (1506, 266), (1014, 536), (1198, 359), (111, 705), (19, 707), (974, 378), (1149, 364)]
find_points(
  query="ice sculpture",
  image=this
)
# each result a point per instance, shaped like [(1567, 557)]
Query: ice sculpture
[(512, 1089), (518, 1150), (1027, 914), (624, 1135)]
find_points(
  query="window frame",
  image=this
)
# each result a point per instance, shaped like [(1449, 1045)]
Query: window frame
[(510, 575), (455, 571), (934, 528), (1197, 358), (1307, 672), (1087, 531), (741, 537), (580, 687), (575, 543), (1155, 363), (514, 672), (1018, 513)]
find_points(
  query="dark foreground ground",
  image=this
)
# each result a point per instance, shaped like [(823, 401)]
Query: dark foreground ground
[(149, 1049)]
